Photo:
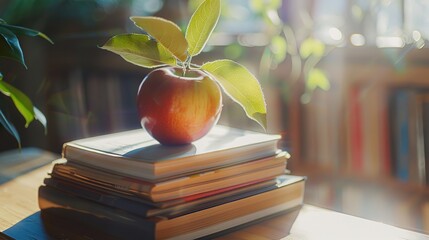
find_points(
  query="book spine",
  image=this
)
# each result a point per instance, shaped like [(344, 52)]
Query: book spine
[(102, 198), (90, 216), (356, 138), (265, 173), (207, 221), (403, 148), (421, 136), (386, 164), (76, 171)]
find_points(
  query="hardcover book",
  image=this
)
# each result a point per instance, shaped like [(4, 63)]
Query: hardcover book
[(116, 223), (266, 168), (135, 153), (175, 207)]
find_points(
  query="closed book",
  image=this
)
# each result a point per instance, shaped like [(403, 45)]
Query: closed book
[(125, 225), (135, 153), (188, 205), (175, 188), (166, 209)]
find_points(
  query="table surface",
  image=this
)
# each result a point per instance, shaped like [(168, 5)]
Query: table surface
[(18, 202)]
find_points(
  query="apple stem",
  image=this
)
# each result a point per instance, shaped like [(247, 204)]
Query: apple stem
[(184, 70), (186, 65)]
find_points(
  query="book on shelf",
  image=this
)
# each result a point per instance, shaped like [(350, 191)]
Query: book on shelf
[(367, 130), (424, 104), (408, 141), (403, 151), (179, 187), (135, 153), (286, 194), (355, 130)]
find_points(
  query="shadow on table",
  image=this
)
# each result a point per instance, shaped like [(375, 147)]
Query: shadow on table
[(43, 225), (62, 224), (20, 161)]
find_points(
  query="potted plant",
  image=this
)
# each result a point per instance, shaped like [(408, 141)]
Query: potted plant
[(10, 48)]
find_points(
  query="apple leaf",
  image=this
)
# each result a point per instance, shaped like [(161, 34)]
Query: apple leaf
[(201, 25), (21, 101), (241, 86), (12, 48), (167, 33), (140, 50), (10, 128)]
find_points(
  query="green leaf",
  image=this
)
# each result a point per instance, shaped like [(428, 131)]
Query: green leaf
[(10, 128), (241, 86), (257, 5), (25, 31), (41, 118), (140, 50), (167, 33), (21, 101), (261, 5), (11, 49), (317, 78), (312, 46), (233, 51), (278, 48), (201, 25)]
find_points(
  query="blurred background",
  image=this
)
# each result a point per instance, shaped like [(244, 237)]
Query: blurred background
[(346, 84)]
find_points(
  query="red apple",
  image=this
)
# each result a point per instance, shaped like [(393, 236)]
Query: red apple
[(177, 109)]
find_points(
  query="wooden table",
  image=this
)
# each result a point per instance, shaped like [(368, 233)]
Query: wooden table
[(19, 216)]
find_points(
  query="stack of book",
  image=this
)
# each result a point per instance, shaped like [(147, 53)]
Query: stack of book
[(128, 186)]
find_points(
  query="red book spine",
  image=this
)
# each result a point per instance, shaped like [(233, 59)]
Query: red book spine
[(356, 134)]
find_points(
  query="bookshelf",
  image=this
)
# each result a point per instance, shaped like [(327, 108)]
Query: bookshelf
[(349, 128), (364, 142)]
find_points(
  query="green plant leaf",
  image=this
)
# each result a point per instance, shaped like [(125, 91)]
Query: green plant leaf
[(257, 5), (261, 5), (10, 128), (21, 101), (317, 78), (41, 118), (11, 49), (140, 50), (241, 86), (25, 31), (278, 48), (201, 25), (167, 33), (312, 46)]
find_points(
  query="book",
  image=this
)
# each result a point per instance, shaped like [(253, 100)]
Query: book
[(407, 121), (355, 131), (135, 153), (180, 187), (423, 136), (401, 141), (121, 224), (167, 209)]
